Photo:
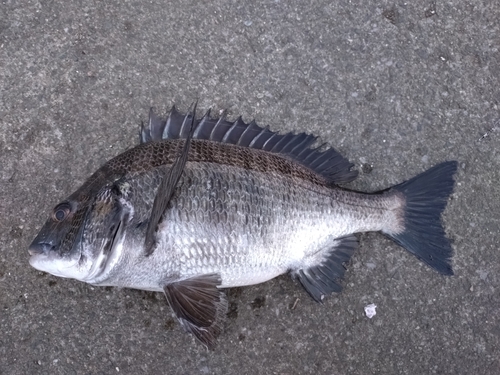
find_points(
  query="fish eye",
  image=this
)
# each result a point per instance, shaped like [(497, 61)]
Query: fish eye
[(61, 211)]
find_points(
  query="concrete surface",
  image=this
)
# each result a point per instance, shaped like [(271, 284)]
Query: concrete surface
[(396, 86)]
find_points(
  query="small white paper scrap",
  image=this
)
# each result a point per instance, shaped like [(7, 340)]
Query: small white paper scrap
[(370, 310)]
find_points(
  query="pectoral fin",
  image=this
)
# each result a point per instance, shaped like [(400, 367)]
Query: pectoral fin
[(199, 306), (167, 188)]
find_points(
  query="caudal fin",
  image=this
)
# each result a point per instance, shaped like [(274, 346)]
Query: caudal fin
[(426, 196)]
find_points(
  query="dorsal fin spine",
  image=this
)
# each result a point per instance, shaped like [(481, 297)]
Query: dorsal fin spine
[(305, 143), (268, 145), (203, 121), (186, 125), (229, 132), (329, 163), (254, 141), (241, 141), (166, 130), (280, 145), (294, 140)]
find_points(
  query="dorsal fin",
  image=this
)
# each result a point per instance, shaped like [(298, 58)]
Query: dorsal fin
[(329, 163)]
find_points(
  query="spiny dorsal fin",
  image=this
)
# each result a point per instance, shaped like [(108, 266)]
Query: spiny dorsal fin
[(329, 163)]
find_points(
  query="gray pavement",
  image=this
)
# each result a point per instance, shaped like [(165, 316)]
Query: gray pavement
[(395, 86)]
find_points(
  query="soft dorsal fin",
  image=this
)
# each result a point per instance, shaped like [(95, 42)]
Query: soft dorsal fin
[(329, 163)]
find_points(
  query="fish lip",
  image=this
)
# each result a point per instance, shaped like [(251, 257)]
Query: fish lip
[(45, 255), (43, 243), (45, 262), (40, 248), (32, 253)]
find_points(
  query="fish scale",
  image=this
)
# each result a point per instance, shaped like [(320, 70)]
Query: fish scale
[(263, 216), (204, 204)]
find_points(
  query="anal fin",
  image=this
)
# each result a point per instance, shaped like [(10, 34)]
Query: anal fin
[(324, 278), (199, 306)]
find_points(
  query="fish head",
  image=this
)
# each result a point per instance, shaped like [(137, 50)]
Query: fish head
[(81, 234)]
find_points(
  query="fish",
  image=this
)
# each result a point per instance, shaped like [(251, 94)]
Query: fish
[(204, 203)]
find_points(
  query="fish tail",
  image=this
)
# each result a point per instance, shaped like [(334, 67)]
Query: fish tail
[(426, 196)]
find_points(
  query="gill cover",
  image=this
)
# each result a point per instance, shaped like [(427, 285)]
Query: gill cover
[(104, 231)]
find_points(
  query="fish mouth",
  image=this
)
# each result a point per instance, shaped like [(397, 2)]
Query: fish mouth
[(49, 254), (40, 248), (45, 256), (50, 262)]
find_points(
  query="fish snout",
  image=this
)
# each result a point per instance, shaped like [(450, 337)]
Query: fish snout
[(38, 248)]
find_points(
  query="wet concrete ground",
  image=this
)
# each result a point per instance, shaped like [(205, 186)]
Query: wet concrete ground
[(396, 87)]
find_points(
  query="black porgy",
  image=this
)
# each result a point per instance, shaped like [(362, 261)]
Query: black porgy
[(203, 204)]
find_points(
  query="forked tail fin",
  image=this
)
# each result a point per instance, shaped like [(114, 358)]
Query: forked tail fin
[(426, 196)]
